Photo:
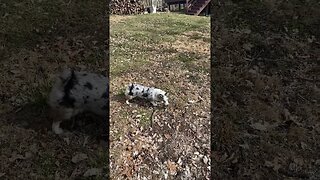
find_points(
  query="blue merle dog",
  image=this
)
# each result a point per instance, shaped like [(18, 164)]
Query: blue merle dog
[(76, 92), (152, 94)]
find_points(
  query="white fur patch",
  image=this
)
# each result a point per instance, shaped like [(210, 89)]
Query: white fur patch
[(155, 95), (75, 92), (56, 127)]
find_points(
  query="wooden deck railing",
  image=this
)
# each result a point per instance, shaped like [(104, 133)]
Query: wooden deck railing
[(148, 3), (188, 4)]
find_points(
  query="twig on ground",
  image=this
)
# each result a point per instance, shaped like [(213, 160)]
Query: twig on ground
[(152, 116)]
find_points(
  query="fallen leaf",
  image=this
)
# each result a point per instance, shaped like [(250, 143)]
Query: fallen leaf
[(28, 155), (205, 160), (79, 157), (167, 136), (286, 114), (34, 148), (15, 156), (247, 46), (172, 166), (260, 126), (274, 164), (67, 140), (75, 172), (247, 31), (93, 172)]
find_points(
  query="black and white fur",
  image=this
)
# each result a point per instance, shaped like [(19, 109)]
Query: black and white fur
[(153, 94), (76, 92)]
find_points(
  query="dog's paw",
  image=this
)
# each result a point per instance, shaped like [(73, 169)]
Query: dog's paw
[(154, 103), (56, 127), (67, 133), (58, 131), (127, 102)]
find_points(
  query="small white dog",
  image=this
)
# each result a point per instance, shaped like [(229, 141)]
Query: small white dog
[(153, 94), (75, 92)]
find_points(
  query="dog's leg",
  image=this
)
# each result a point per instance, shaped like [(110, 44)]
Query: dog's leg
[(166, 103), (128, 99), (154, 103), (55, 116), (59, 115), (56, 127)]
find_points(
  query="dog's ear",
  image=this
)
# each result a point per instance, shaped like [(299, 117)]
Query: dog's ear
[(160, 96)]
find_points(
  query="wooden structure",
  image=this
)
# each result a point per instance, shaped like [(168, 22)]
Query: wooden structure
[(195, 7), (192, 7), (148, 3)]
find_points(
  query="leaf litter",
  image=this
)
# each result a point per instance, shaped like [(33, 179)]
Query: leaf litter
[(157, 143), (265, 101)]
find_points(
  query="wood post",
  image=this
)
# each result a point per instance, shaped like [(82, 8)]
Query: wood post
[(186, 6)]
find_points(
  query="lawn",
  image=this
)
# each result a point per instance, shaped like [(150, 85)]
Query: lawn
[(172, 52)]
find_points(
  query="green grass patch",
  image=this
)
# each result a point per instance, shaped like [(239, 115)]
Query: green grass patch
[(46, 165), (100, 160), (121, 93), (145, 117), (38, 98), (24, 24), (187, 57), (200, 37), (139, 37), (122, 65), (191, 62)]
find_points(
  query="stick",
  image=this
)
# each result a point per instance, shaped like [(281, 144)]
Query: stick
[(152, 116)]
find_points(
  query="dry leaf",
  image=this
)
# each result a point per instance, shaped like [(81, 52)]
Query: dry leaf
[(167, 136), (28, 155), (79, 157), (67, 140), (15, 157), (260, 126), (75, 172), (172, 167), (93, 172), (247, 46), (274, 164)]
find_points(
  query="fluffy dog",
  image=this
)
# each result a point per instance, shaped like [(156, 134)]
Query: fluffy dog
[(76, 92), (154, 95)]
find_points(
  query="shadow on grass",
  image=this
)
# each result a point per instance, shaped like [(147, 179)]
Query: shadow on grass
[(35, 117), (122, 99), (138, 101)]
